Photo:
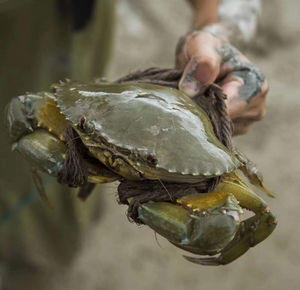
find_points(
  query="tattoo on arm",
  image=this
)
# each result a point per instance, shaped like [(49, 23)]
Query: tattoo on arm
[(238, 21), (252, 76), (240, 17)]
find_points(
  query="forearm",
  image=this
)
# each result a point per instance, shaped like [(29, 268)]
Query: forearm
[(235, 20), (240, 19), (205, 12)]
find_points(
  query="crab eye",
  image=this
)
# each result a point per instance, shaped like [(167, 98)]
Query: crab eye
[(86, 127), (151, 159), (82, 123)]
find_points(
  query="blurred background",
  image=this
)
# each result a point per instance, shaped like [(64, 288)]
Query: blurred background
[(116, 254)]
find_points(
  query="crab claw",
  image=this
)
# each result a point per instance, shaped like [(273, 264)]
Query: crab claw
[(200, 223), (209, 224), (251, 232)]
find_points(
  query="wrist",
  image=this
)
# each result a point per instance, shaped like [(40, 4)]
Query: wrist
[(235, 20), (240, 19), (219, 30), (205, 13)]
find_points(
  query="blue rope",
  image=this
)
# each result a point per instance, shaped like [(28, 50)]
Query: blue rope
[(15, 210)]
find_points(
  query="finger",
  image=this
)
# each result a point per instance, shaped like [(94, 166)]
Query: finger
[(260, 100), (241, 126), (203, 63), (252, 83), (245, 120), (251, 115), (235, 105), (250, 77), (256, 113), (238, 105), (200, 71)]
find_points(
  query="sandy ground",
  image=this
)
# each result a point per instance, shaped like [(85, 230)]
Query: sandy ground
[(120, 255)]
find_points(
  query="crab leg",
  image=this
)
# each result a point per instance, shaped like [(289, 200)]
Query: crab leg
[(251, 232), (47, 153), (36, 129), (252, 173)]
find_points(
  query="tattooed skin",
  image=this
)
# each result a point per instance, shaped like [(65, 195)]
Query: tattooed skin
[(231, 61), (251, 75), (241, 19), (207, 54)]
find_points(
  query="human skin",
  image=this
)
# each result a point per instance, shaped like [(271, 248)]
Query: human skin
[(206, 55)]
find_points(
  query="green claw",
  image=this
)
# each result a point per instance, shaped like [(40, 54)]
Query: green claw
[(169, 220), (205, 230), (208, 224), (251, 232)]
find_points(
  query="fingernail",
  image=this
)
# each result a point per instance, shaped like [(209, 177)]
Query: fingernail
[(190, 86)]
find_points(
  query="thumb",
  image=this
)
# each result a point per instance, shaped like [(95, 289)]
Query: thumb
[(200, 71)]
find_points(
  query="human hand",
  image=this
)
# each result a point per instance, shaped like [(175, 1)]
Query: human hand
[(205, 56)]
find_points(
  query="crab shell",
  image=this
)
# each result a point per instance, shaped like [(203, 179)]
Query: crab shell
[(144, 131)]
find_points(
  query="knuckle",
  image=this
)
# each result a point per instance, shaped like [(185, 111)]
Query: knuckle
[(207, 65), (204, 60)]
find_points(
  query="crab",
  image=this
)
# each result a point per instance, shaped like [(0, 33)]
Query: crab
[(148, 132)]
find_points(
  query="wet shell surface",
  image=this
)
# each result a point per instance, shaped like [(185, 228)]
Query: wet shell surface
[(157, 127)]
